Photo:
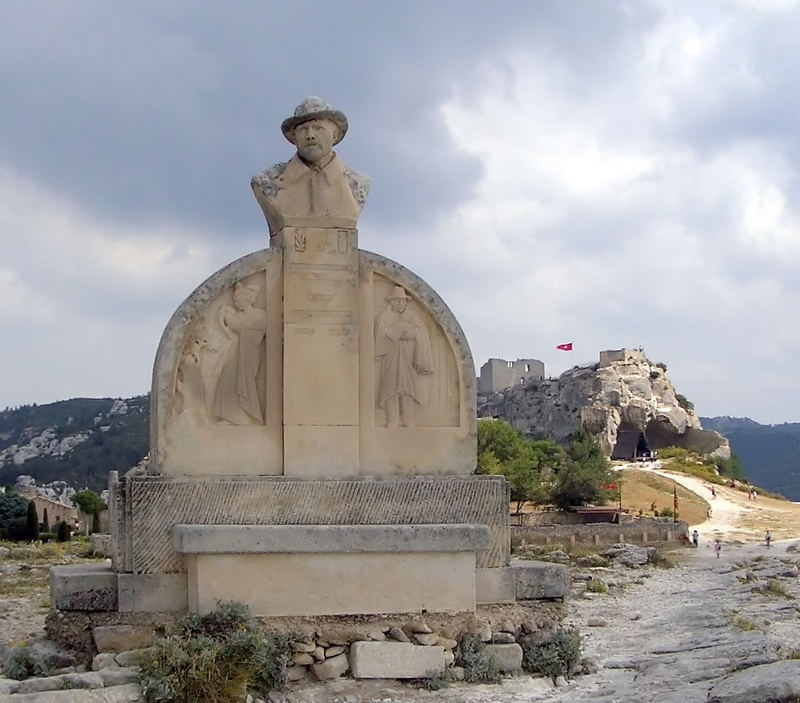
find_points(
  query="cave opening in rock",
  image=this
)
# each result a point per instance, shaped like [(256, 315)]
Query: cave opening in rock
[(631, 443)]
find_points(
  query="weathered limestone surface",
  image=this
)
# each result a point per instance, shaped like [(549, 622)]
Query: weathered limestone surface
[(128, 693), (627, 394), (333, 584), (297, 539), (778, 681), (394, 660), (189, 438), (155, 593), (153, 504), (120, 638), (495, 585), (540, 579), (83, 587)]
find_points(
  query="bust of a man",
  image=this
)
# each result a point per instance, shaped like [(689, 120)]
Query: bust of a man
[(314, 188)]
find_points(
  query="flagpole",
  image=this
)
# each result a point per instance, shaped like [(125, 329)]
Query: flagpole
[(675, 503)]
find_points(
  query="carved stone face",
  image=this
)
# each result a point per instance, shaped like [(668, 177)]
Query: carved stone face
[(242, 296), (398, 304), (314, 139)]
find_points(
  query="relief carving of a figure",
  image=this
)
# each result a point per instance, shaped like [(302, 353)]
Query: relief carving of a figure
[(314, 188), (236, 397), (403, 346)]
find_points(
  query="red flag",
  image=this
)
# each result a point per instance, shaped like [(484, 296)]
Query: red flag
[(565, 347)]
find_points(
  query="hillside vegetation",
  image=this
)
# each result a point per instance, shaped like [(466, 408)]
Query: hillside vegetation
[(78, 441), (770, 454)]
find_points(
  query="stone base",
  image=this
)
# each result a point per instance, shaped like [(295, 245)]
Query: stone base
[(154, 593), (334, 584), (91, 587), (495, 585)]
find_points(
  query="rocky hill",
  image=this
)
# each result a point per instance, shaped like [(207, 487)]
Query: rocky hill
[(626, 401), (770, 453), (77, 441)]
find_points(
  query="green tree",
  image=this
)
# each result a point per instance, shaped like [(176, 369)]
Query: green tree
[(502, 450), (63, 533), (12, 505), (498, 442), (88, 501), (586, 475), (45, 521), (32, 522), (731, 468)]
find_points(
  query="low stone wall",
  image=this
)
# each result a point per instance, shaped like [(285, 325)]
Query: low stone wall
[(643, 531)]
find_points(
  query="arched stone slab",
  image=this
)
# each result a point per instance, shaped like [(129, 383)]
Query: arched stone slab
[(219, 387)]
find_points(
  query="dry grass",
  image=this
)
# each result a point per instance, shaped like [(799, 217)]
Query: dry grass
[(640, 489)]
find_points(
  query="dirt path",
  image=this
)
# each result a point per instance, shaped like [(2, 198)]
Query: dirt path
[(734, 517)]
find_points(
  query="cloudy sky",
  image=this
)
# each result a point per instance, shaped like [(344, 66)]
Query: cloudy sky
[(610, 173)]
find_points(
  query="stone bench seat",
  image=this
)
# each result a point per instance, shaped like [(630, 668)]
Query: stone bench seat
[(305, 539)]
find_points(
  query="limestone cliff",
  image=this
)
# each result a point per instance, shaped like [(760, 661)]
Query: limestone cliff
[(625, 400)]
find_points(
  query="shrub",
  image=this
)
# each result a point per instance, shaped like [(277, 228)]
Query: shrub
[(596, 586), (435, 680), (478, 665), (555, 653), (776, 588), (214, 658), (744, 624), (24, 662), (661, 560), (684, 402)]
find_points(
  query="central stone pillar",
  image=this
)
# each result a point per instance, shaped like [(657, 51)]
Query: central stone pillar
[(320, 351)]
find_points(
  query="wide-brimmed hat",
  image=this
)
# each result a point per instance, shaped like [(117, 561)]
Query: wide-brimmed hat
[(399, 292), (314, 108)]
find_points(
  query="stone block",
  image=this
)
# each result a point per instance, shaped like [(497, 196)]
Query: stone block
[(294, 539), (394, 660), (507, 657), (104, 661), (121, 638), (90, 587), (331, 668), (302, 584), (495, 585), (100, 544), (89, 679), (131, 657), (154, 504), (535, 580), (119, 676), (153, 593)]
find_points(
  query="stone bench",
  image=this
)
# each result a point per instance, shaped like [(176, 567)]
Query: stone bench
[(332, 569)]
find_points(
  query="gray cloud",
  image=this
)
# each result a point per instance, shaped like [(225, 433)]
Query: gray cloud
[(131, 132)]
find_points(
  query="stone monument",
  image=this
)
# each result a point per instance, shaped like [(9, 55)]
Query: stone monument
[(313, 428)]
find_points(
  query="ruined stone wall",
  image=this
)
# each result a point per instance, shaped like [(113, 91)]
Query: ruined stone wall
[(499, 374), (644, 531)]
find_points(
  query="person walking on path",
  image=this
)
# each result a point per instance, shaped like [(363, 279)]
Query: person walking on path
[(717, 547), (767, 538), (695, 538)]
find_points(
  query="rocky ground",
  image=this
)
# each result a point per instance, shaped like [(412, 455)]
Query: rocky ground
[(705, 630), (708, 629)]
